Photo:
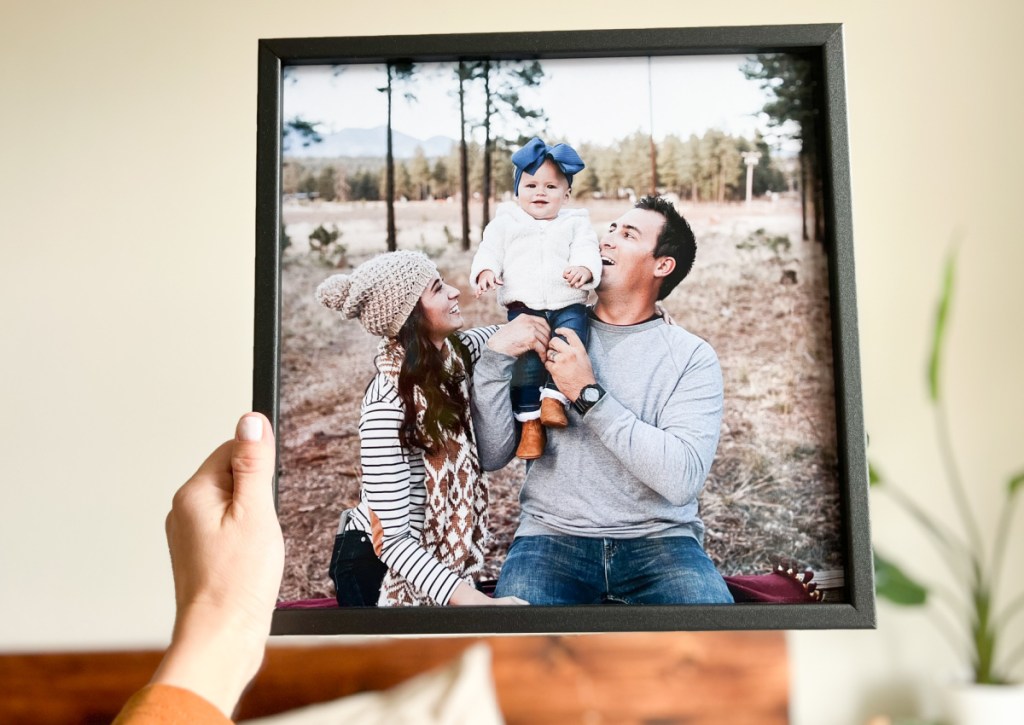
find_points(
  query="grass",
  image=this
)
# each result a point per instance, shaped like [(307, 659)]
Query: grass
[(773, 492)]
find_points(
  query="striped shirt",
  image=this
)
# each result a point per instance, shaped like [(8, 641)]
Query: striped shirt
[(393, 484)]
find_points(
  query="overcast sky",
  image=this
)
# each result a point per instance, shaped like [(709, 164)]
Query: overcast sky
[(597, 100)]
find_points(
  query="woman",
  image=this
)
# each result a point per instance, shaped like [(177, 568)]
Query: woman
[(416, 537)]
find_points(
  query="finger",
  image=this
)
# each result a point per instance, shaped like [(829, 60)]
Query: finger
[(216, 467), (549, 365), (558, 344), (499, 282), (511, 601), (570, 337), (538, 342), (542, 326), (539, 325), (252, 460)]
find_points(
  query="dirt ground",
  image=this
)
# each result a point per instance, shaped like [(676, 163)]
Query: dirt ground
[(757, 293)]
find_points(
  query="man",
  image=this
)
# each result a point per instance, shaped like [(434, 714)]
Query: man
[(609, 514)]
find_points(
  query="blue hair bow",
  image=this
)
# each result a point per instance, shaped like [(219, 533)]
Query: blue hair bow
[(531, 156)]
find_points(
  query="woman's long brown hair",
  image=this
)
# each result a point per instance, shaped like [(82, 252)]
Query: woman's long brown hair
[(423, 366)]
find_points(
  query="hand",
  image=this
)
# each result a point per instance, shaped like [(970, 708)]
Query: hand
[(467, 596), (227, 556), (577, 276), (526, 332), (509, 602), (486, 281), (568, 363)]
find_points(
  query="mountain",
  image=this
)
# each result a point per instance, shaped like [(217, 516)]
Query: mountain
[(367, 142)]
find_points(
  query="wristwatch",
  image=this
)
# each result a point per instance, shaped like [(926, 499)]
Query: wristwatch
[(588, 398)]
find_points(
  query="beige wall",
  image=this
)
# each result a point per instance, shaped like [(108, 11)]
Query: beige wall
[(126, 218)]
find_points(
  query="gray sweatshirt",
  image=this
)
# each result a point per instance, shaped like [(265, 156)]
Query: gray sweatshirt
[(634, 465)]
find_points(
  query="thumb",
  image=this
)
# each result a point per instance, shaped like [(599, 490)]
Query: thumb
[(252, 459), (570, 336)]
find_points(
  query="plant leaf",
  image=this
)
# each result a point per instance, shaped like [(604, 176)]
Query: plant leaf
[(1015, 483), (892, 584), (874, 477), (939, 333)]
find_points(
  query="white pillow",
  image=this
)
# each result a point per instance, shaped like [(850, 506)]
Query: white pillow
[(461, 693)]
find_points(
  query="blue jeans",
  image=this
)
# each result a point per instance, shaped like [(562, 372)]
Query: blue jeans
[(528, 373), (547, 570)]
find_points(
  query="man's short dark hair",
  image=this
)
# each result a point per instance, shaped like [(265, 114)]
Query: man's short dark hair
[(675, 240)]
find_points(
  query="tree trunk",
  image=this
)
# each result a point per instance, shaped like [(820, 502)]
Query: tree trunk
[(654, 168), (819, 208), (389, 186), (486, 190), (812, 196), (803, 161), (463, 160)]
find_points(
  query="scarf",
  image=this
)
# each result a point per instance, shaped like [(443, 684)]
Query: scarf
[(455, 521)]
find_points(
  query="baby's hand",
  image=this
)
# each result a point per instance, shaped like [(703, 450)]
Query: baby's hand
[(577, 276), (485, 281)]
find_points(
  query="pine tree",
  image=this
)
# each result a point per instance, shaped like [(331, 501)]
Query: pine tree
[(793, 84), (401, 72)]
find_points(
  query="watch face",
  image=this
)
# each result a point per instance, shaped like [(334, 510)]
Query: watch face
[(591, 395)]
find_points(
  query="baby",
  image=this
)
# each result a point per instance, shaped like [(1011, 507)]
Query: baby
[(543, 260)]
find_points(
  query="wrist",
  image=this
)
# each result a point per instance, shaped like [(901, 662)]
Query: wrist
[(573, 391), (213, 653), (589, 396)]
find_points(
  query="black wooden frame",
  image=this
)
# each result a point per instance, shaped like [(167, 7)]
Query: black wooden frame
[(822, 43)]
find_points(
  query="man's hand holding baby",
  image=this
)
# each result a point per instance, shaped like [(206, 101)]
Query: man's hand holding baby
[(568, 363)]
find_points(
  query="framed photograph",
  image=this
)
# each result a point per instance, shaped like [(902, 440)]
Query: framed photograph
[(719, 454)]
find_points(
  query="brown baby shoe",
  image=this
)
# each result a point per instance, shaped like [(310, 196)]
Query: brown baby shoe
[(531, 443), (552, 413)]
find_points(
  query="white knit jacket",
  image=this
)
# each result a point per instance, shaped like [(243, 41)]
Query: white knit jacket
[(530, 256)]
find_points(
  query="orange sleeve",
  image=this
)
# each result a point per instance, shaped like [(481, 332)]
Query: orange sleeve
[(168, 704)]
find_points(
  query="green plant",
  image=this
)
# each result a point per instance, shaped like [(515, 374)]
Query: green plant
[(965, 553), (285, 239), (325, 243), (778, 243), (449, 237)]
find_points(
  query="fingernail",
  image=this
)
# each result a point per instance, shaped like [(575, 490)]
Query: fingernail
[(250, 428)]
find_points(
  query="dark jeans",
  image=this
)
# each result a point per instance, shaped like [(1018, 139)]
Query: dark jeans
[(549, 570), (355, 570), (529, 374)]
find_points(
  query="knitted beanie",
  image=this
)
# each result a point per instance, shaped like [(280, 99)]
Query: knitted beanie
[(381, 292)]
